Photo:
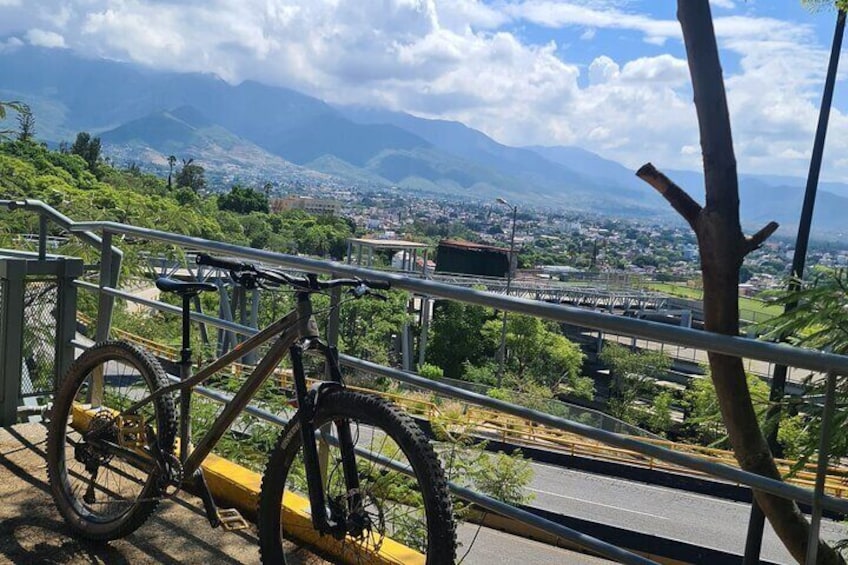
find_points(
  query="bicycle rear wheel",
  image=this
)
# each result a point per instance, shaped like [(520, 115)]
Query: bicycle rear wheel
[(100, 466), (405, 515)]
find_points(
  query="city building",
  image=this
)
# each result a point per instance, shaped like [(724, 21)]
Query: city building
[(315, 206)]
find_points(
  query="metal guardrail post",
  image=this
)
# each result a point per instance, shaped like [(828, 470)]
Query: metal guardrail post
[(66, 314), (108, 278), (426, 304), (42, 237), (109, 271), (334, 319), (821, 469), (12, 280)]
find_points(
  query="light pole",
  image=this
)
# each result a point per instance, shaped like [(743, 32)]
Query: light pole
[(502, 352)]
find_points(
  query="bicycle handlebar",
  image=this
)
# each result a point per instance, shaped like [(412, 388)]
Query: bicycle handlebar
[(204, 259), (308, 283)]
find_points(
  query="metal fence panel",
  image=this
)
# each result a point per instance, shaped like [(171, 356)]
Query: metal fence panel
[(36, 328), (38, 368)]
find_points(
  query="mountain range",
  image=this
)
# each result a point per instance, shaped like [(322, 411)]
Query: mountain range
[(256, 131)]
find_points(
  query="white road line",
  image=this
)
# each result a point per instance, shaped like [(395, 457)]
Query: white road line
[(618, 508), (668, 490)]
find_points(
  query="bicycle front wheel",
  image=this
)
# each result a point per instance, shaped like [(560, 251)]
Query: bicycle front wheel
[(401, 509), (100, 466)]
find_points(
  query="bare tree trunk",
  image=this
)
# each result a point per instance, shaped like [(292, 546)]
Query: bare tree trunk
[(723, 246)]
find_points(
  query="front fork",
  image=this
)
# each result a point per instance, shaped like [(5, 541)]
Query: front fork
[(308, 401)]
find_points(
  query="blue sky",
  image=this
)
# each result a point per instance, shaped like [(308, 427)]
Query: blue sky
[(606, 75)]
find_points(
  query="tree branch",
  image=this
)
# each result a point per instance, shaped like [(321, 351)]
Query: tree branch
[(755, 241), (676, 196)]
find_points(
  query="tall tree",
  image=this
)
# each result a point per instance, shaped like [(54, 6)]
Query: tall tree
[(4, 106), (455, 336), (191, 176), (723, 247), (243, 200), (88, 148), (171, 162), (26, 123)]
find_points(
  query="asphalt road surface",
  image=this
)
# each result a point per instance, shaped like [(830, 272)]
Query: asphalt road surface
[(693, 518)]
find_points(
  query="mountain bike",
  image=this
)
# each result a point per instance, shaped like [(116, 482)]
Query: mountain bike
[(350, 471)]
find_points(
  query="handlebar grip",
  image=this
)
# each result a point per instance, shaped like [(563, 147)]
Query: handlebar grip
[(378, 285), (204, 259)]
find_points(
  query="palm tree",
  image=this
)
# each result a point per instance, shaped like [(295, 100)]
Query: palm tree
[(171, 162)]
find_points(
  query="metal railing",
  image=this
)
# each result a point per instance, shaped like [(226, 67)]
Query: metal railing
[(727, 345)]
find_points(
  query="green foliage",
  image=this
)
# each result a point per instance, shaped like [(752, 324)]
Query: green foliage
[(659, 420), (524, 393), (486, 373), (704, 412), (536, 351), (370, 327), (501, 476), (455, 337), (819, 320), (580, 387), (504, 477), (191, 176), (816, 5), (26, 123), (88, 148), (29, 170), (633, 374), (4, 106), (431, 371), (794, 437), (243, 200)]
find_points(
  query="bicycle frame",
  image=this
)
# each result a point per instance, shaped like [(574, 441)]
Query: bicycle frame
[(296, 332)]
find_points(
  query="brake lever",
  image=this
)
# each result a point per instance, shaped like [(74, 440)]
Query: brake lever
[(363, 290), (245, 279)]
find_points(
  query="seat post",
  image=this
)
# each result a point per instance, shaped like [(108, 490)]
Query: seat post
[(185, 352), (185, 374)]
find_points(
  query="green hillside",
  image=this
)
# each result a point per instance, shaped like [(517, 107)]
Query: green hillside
[(87, 191)]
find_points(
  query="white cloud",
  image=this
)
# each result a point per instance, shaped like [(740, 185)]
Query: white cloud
[(10, 44), (603, 69), (725, 4), (589, 34), (42, 38), (661, 70), (475, 61)]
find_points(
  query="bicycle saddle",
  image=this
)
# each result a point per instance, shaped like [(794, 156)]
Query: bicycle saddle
[(183, 288)]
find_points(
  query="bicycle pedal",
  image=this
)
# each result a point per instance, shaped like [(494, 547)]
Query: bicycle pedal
[(231, 519)]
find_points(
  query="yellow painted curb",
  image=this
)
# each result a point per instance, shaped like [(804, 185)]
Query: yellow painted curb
[(234, 485)]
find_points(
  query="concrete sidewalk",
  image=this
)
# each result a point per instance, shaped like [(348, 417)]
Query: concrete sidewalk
[(32, 531)]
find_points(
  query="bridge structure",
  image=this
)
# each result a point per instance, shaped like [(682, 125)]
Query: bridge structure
[(105, 288)]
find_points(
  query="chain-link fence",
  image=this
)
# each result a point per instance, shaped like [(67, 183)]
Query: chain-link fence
[(37, 326), (38, 368)]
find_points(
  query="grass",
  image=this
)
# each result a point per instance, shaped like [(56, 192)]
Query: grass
[(749, 308)]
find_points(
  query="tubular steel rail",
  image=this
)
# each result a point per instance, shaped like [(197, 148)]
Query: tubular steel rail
[(728, 345), (491, 424)]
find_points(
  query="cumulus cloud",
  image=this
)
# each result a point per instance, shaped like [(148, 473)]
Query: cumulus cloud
[(726, 4), (42, 38), (474, 61), (10, 44)]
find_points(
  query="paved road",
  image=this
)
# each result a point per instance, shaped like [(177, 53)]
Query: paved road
[(675, 514), (492, 547)]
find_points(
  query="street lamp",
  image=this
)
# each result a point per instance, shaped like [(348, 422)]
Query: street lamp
[(502, 352)]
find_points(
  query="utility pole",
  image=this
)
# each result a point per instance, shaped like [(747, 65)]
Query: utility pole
[(756, 521), (502, 351)]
